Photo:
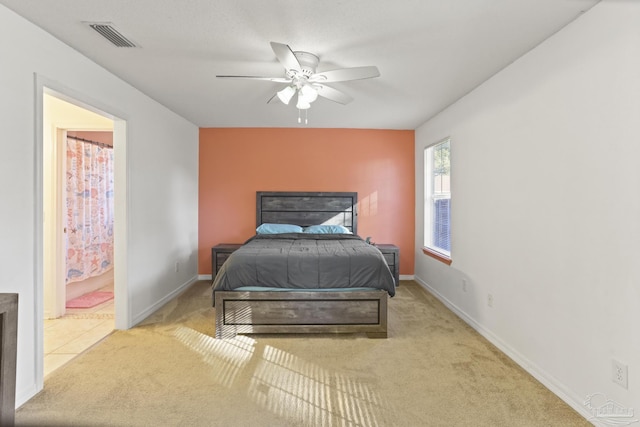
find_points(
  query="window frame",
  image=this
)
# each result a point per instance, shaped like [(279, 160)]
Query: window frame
[(429, 247)]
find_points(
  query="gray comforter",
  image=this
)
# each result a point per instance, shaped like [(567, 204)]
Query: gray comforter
[(305, 261)]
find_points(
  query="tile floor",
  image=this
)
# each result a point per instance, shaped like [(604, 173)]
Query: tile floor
[(73, 333)]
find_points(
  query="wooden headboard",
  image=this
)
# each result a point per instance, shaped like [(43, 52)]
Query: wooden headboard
[(307, 208)]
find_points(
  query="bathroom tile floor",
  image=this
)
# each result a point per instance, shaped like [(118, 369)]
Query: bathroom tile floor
[(75, 332)]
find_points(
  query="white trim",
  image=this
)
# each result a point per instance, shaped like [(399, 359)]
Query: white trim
[(23, 396), (158, 304), (59, 238), (122, 294), (407, 277), (38, 251), (548, 380)]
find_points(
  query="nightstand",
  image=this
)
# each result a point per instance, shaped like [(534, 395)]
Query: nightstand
[(391, 254), (219, 254)]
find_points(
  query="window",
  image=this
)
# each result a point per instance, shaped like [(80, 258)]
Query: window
[(437, 201)]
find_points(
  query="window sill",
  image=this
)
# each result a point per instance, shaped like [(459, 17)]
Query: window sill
[(436, 255)]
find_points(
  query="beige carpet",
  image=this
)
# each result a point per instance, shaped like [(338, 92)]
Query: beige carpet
[(433, 370)]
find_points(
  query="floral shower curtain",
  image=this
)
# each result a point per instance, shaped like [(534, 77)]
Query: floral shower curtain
[(89, 209)]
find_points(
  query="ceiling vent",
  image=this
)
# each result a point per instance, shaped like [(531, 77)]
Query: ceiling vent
[(106, 30)]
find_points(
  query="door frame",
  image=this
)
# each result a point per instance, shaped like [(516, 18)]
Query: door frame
[(120, 148)]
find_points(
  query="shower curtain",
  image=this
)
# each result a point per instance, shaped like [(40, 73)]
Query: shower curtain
[(89, 209)]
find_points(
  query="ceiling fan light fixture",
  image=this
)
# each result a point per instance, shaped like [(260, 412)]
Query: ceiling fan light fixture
[(286, 94), (302, 103), (308, 93)]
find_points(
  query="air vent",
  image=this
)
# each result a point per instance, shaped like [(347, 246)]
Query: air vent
[(107, 31)]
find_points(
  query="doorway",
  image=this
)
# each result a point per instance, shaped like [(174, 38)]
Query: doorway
[(68, 332)]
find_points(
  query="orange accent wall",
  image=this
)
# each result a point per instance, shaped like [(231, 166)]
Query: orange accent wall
[(237, 162)]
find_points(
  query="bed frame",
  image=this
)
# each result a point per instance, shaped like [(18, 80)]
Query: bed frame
[(285, 312)]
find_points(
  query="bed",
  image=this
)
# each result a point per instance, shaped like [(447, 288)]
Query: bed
[(304, 282)]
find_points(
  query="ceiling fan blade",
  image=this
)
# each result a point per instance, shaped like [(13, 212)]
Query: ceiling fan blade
[(333, 94), (274, 99), (271, 79), (286, 57), (345, 74)]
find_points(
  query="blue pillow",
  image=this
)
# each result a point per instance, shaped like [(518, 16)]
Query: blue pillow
[(327, 229), (268, 228)]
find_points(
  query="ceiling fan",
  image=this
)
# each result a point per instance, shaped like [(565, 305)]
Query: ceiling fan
[(302, 79)]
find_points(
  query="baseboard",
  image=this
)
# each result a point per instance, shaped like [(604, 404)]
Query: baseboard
[(23, 396), (152, 309), (549, 381), (407, 277)]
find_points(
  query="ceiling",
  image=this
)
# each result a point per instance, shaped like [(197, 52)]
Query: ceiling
[(429, 52)]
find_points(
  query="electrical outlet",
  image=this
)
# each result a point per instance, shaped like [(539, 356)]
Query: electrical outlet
[(619, 373), (490, 300), (177, 266), (464, 285)]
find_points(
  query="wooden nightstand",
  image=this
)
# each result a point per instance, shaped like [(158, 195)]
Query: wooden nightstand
[(219, 254), (391, 254)]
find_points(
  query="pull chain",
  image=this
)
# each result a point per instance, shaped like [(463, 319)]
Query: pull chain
[(306, 117)]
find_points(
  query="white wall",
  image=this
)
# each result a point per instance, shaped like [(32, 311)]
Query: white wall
[(162, 185), (546, 207)]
